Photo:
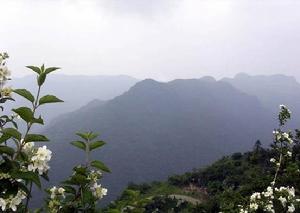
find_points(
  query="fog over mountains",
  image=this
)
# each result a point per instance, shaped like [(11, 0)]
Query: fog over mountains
[(75, 90), (271, 91), (158, 129)]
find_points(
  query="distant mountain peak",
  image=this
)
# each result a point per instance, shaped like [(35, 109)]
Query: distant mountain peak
[(208, 78), (244, 76), (146, 84)]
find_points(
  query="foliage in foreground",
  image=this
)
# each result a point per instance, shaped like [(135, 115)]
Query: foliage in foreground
[(23, 164)]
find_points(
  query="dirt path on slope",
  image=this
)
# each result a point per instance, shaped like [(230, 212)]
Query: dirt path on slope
[(186, 198)]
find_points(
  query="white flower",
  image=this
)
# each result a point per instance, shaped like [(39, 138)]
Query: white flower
[(13, 202), (4, 176), (53, 192), (94, 175), (291, 208), (98, 191), (243, 211), (272, 160), (2, 204), (277, 135), (6, 92), (269, 192), (289, 153), (282, 200), (42, 154), (269, 207), (56, 191), (289, 190), (253, 206), (287, 137), (4, 73), (281, 106), (255, 196), (40, 159), (16, 201), (28, 147), (61, 190)]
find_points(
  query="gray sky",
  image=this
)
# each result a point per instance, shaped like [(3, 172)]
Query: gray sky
[(161, 39)]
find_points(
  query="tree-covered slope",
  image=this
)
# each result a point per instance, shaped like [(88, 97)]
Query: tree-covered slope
[(225, 184)]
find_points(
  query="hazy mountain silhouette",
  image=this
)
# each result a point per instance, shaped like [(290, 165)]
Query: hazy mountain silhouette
[(272, 91), (158, 129), (75, 90)]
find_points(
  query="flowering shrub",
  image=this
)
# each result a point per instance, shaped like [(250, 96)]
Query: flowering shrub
[(81, 191), (280, 198), (23, 164)]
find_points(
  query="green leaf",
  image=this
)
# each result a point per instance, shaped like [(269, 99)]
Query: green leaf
[(30, 176), (38, 120), (4, 137), (43, 68), (45, 176), (96, 144), (14, 124), (41, 78), (49, 99), (79, 144), (23, 156), (7, 150), (84, 136), (80, 170), (76, 179), (35, 138), (23, 187), (70, 189), (99, 165), (25, 113), (12, 133), (12, 189), (92, 135), (39, 210), (79, 179), (87, 196), (51, 69), (35, 69), (25, 93)]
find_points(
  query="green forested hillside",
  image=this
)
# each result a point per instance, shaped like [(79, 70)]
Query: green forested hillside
[(225, 184)]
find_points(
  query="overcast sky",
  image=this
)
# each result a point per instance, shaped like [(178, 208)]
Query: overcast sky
[(161, 39)]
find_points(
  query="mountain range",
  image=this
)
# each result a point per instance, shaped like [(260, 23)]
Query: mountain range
[(271, 91), (158, 129), (75, 90)]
